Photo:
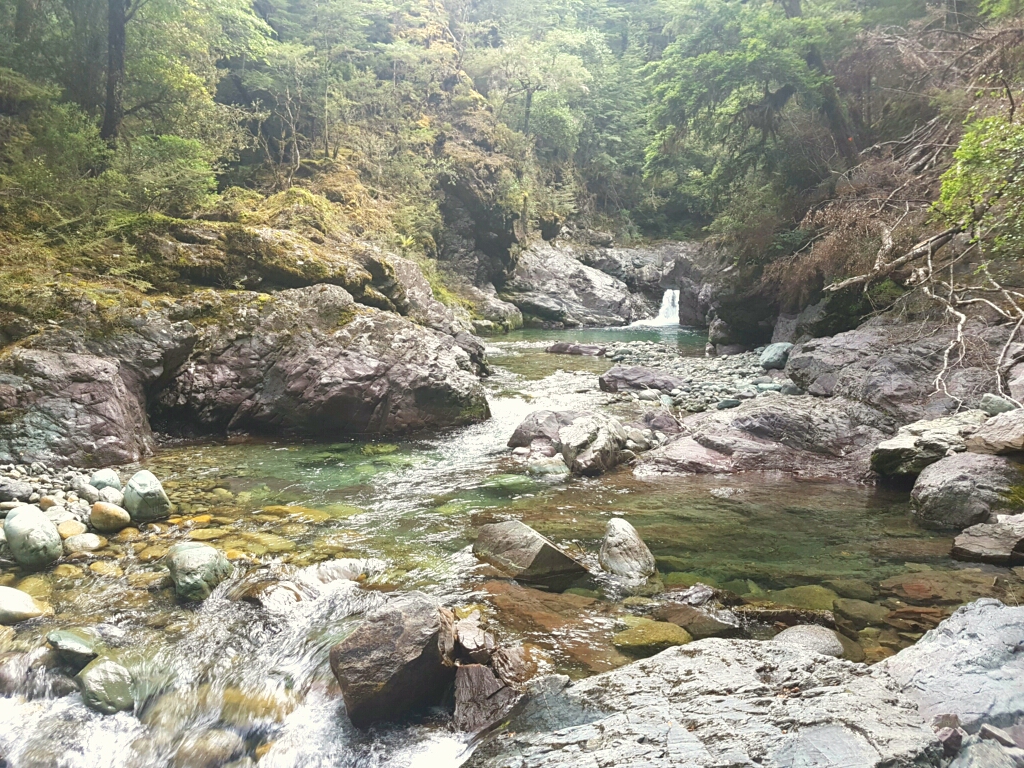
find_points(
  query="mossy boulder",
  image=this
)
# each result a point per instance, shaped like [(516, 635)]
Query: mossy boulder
[(647, 637)]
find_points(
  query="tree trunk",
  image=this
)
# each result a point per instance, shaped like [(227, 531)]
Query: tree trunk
[(117, 20), (528, 108), (24, 16)]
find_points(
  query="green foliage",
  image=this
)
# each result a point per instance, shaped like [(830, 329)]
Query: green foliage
[(983, 192), (163, 174)]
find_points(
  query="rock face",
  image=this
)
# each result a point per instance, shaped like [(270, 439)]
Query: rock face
[(32, 537), (69, 408), (17, 606), (393, 663), (964, 489), (969, 666), (716, 702), (1003, 433), (196, 569), (917, 445), (624, 553), (524, 554), (145, 499), (309, 361), (550, 286), (891, 369), (798, 434)]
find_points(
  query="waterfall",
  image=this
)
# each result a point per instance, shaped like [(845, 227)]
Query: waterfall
[(669, 312)]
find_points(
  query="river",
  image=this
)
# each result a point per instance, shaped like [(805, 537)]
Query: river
[(261, 673)]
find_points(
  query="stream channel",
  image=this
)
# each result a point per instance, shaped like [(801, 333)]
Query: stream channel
[(262, 672)]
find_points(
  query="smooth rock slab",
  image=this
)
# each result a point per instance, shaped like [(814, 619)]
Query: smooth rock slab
[(624, 553), (32, 537), (925, 442), (969, 666), (524, 554), (394, 662), (714, 703), (144, 498), (196, 569), (999, 543), (17, 606)]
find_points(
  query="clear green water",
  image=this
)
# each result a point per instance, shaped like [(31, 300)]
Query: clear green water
[(416, 504)]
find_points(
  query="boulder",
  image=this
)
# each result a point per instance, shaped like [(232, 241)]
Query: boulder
[(993, 405), (310, 362), (15, 490), (541, 426), (110, 495), (524, 554), (624, 553), (812, 637), (1003, 433), (196, 569), (964, 489), (592, 444), (105, 478), (620, 379), (75, 647), (108, 518), (924, 442), (32, 537), (106, 686), (775, 356), (17, 606), (551, 286), (394, 662), (969, 666), (1000, 542), (83, 543), (711, 703), (145, 499), (860, 612), (492, 315), (586, 350), (481, 698), (646, 637)]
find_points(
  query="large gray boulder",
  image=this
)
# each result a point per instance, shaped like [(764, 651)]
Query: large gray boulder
[(310, 361), (716, 702), (32, 537), (969, 666), (811, 637), (964, 489), (524, 554), (15, 490), (196, 569), (1003, 433), (891, 368), (624, 553), (775, 356), (551, 286), (924, 442), (395, 662), (592, 444), (145, 499), (800, 434), (541, 427)]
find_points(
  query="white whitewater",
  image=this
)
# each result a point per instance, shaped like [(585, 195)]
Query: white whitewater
[(669, 313)]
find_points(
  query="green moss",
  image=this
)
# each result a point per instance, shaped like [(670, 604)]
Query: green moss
[(1015, 496)]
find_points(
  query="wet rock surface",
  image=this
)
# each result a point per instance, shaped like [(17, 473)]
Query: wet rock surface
[(524, 554), (624, 553)]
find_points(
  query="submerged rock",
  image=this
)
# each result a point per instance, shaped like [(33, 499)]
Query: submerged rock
[(393, 663), (922, 443), (196, 569), (716, 702), (969, 666), (524, 554), (32, 537), (963, 490), (145, 499), (106, 686), (624, 553), (647, 637)]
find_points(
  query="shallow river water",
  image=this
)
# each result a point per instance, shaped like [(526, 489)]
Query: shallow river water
[(261, 673)]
